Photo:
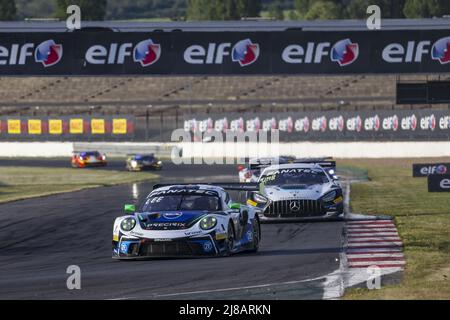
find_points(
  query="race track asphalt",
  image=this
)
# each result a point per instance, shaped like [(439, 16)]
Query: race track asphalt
[(41, 237)]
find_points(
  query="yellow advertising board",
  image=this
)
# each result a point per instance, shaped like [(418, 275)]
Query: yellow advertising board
[(34, 126), (76, 126), (14, 126), (119, 126), (98, 126), (55, 126)]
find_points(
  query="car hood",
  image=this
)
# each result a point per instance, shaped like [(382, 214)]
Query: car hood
[(292, 192), (169, 220)]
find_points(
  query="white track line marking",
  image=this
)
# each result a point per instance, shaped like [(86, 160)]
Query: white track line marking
[(370, 238), (373, 250), (379, 263), (239, 288), (374, 244), (375, 255), (372, 230)]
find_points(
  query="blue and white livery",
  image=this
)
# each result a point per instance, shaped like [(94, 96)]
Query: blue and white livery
[(185, 221)]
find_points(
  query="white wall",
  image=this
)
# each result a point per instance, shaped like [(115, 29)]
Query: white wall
[(319, 149), (36, 149), (220, 150)]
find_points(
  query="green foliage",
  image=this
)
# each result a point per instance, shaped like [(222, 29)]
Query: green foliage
[(7, 10), (324, 10), (35, 9), (90, 9), (426, 8), (276, 11), (302, 6), (222, 9), (249, 8)]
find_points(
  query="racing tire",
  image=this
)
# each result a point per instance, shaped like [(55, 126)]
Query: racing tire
[(256, 234), (229, 242)]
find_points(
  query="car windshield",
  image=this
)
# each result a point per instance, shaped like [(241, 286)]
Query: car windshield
[(181, 202), (146, 158), (295, 177), (90, 154)]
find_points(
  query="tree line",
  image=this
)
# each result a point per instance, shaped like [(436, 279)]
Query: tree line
[(222, 9)]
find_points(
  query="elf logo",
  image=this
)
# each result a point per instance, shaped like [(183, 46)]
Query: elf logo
[(441, 50), (437, 169), (244, 52), (145, 52), (413, 52), (344, 52), (48, 53)]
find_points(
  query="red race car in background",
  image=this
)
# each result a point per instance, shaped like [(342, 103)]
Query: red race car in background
[(88, 159)]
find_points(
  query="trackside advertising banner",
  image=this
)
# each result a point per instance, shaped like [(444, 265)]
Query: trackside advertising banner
[(67, 127), (439, 183), (383, 125), (225, 53), (426, 169)]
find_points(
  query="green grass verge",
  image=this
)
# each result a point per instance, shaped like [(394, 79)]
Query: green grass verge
[(17, 183), (423, 221)]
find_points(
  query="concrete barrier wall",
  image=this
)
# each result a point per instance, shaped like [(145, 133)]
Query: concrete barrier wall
[(36, 149), (233, 150), (122, 149), (319, 149)]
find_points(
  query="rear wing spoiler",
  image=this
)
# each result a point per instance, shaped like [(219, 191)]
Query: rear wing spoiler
[(236, 186), (323, 162), (267, 162)]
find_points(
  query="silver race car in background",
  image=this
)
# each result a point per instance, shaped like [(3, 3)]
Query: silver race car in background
[(184, 221), (307, 189), (251, 171)]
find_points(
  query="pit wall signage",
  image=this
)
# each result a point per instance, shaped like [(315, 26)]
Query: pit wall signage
[(401, 125), (225, 53), (439, 183), (65, 127), (426, 169)]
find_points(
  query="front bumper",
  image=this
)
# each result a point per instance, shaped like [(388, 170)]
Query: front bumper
[(127, 248), (329, 216), (83, 164), (300, 210), (144, 167)]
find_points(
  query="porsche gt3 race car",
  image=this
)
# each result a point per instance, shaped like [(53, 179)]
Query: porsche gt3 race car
[(88, 159), (140, 162), (251, 172), (298, 190), (186, 221)]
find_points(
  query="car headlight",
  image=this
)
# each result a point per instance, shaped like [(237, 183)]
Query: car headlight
[(128, 224), (134, 163), (208, 223), (159, 162), (259, 198), (329, 196)]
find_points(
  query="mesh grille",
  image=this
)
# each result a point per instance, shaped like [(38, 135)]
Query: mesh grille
[(295, 208)]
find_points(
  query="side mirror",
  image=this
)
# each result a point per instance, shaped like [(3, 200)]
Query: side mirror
[(235, 206), (129, 208)]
